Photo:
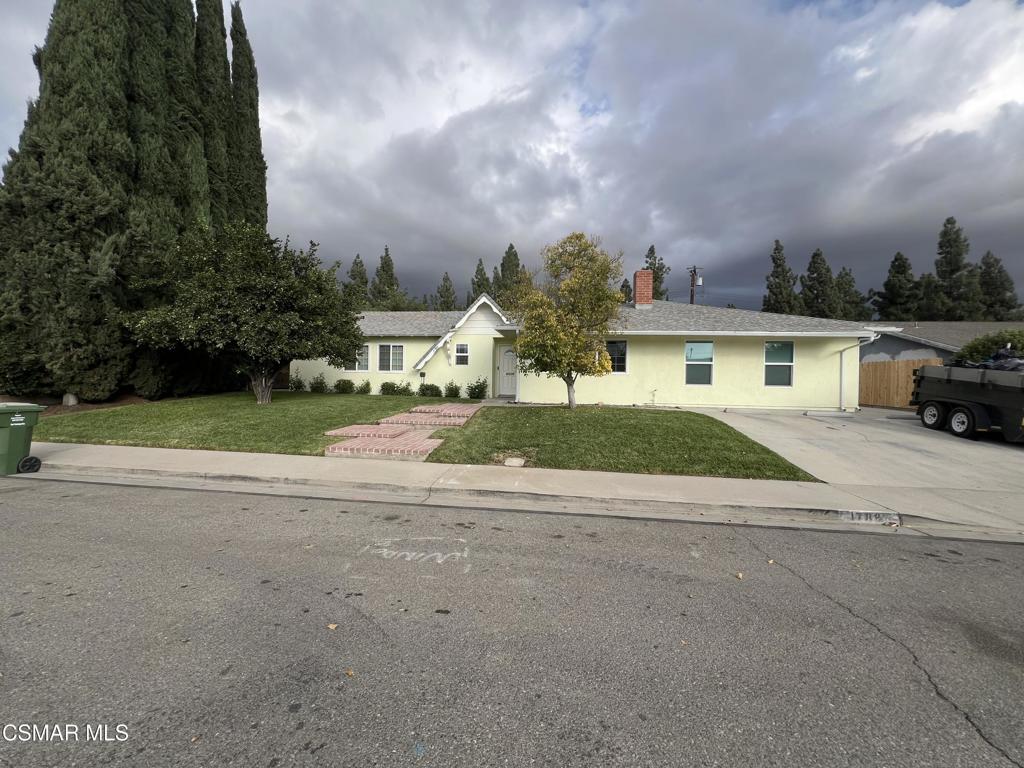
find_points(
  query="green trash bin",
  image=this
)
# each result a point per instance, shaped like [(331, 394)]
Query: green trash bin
[(16, 423)]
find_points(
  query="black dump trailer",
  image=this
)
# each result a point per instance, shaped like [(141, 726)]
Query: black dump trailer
[(970, 400)]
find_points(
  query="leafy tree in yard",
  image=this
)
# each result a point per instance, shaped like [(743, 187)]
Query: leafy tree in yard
[(997, 290), (781, 297), (252, 301), (660, 270), (445, 299), (818, 288), (564, 323), (480, 283), (932, 301), (626, 289), (245, 148), (985, 346), (851, 302), (357, 289), (900, 294)]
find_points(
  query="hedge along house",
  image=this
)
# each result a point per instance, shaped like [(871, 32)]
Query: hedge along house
[(663, 353)]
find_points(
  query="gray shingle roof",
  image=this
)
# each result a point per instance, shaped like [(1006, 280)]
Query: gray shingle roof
[(672, 317), (950, 335), (408, 323)]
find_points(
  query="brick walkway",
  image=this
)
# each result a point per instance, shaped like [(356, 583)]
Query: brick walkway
[(404, 436)]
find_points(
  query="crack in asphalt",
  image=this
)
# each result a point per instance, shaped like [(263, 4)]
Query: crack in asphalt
[(892, 638)]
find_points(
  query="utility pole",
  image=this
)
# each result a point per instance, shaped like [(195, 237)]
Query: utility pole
[(694, 282)]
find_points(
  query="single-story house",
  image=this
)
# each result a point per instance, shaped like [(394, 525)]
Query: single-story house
[(663, 353), (920, 340)]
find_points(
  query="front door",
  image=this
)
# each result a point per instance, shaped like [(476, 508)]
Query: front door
[(506, 372)]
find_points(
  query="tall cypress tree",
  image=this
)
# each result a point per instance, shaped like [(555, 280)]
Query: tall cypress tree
[(480, 283), (932, 301), (385, 291), (851, 302), (64, 207), (248, 168), (356, 290), (214, 85), (780, 296), (657, 265), (627, 291), (507, 275), (900, 293), (818, 288), (444, 299), (951, 263), (998, 292)]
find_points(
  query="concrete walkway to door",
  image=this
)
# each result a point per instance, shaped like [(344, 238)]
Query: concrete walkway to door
[(888, 458)]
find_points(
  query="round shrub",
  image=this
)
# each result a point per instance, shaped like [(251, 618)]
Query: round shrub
[(364, 388), (983, 347), (296, 383), (318, 384), (344, 386), (451, 389), (429, 390), (478, 389)]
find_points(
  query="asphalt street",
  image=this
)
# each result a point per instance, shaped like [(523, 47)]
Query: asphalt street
[(230, 629)]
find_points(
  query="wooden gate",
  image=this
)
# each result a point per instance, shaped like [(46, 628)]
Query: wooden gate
[(891, 382)]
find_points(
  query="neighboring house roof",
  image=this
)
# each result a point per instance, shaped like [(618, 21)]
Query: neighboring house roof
[(949, 335), (673, 318)]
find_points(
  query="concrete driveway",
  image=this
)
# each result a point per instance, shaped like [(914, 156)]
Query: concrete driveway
[(888, 458)]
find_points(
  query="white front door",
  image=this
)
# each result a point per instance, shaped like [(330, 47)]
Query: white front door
[(506, 372)]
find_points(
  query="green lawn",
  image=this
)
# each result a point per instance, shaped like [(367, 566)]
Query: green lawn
[(612, 440), (293, 423)]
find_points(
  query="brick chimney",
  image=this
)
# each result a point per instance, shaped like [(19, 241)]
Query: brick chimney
[(643, 289)]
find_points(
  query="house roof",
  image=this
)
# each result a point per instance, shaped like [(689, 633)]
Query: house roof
[(669, 317), (949, 335), (408, 323)]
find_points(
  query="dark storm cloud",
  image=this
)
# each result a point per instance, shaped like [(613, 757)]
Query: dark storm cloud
[(708, 129)]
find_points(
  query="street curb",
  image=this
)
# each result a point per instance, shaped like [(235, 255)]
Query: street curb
[(435, 495)]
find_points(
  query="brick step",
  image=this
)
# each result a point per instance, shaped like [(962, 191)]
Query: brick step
[(411, 446), (425, 420), (370, 430), (449, 409)]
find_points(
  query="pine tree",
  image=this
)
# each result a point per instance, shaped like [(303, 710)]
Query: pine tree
[(780, 297), (356, 290), (480, 283), (214, 85), (852, 303), (507, 275), (998, 292), (627, 291), (932, 301), (64, 209), (385, 291), (818, 288), (970, 300), (248, 168), (951, 264), (654, 262), (444, 299), (900, 293)]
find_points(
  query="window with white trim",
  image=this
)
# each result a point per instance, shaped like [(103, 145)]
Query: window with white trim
[(617, 353), (462, 354), (390, 357), (362, 360), (700, 362), (778, 363)]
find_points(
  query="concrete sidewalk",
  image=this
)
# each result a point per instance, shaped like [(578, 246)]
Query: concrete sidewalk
[(663, 497)]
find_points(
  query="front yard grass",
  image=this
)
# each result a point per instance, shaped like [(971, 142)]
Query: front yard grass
[(612, 440), (294, 422)]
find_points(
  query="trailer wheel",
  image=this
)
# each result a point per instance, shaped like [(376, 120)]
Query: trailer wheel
[(961, 423), (933, 415)]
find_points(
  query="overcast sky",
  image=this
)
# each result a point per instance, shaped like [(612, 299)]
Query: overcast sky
[(708, 128)]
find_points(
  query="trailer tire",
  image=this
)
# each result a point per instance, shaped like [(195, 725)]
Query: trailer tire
[(933, 415), (962, 423)]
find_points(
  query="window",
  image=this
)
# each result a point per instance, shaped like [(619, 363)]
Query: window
[(390, 357), (700, 361), (362, 359), (462, 354), (617, 352), (778, 363)]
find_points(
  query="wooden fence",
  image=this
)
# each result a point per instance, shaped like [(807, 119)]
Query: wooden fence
[(890, 383)]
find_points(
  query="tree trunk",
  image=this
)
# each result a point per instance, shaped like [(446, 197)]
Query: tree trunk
[(262, 386), (570, 386)]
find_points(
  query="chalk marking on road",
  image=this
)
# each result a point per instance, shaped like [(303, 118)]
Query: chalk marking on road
[(392, 549)]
